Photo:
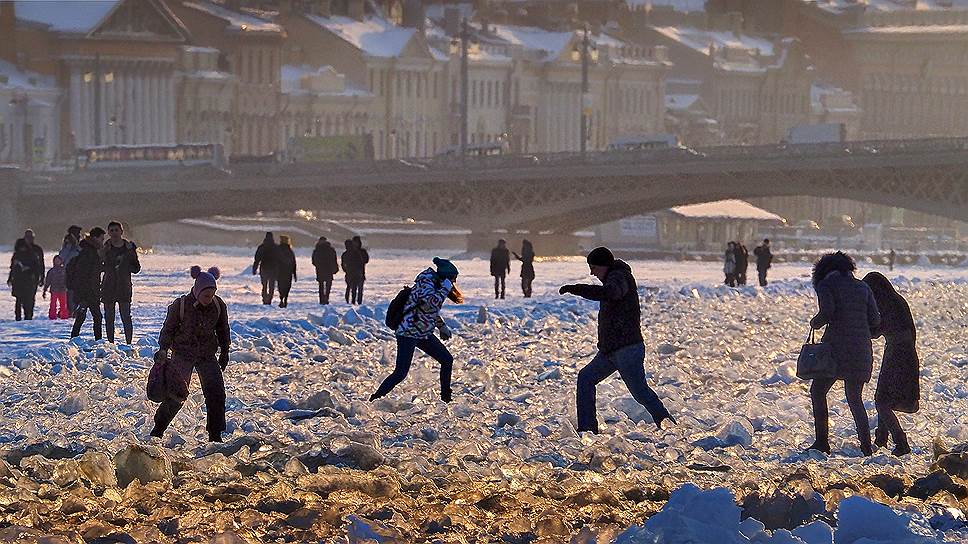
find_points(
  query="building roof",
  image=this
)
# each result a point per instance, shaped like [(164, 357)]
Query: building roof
[(680, 101), (17, 78), (700, 40), (235, 21), (548, 44), (69, 16), (725, 209), (676, 5), (374, 36), (291, 79), (837, 6)]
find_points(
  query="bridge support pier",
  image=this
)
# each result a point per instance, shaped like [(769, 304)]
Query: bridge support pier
[(544, 244)]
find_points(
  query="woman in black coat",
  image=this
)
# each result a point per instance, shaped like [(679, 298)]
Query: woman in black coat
[(286, 270), (849, 311), (25, 271), (898, 389), (527, 267)]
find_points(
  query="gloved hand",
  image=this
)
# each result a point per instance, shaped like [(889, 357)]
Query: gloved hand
[(565, 289), (445, 333), (223, 359), (161, 356)]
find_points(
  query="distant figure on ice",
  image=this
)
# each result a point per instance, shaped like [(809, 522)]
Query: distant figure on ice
[(265, 265), (196, 327), (286, 270), (421, 315), (120, 259), (527, 267), (352, 262), (620, 344), (891, 259), (500, 267), (39, 252), (764, 260), (849, 311), (84, 278), (69, 249), (742, 263), (56, 282), (729, 264), (898, 389), (25, 270), (365, 260), (324, 261)]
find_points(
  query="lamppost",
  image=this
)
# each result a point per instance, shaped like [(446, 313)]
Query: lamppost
[(462, 45), (587, 52)]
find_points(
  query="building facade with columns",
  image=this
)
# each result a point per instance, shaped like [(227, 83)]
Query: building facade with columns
[(29, 122), (115, 62)]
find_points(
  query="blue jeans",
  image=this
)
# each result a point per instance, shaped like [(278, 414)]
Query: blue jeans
[(405, 349), (630, 364)]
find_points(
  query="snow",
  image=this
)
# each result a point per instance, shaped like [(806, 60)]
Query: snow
[(890, 5), (550, 45), (725, 209), (236, 21), (293, 73), (711, 351), (65, 15), (374, 36), (25, 80), (677, 5), (680, 101), (700, 41)]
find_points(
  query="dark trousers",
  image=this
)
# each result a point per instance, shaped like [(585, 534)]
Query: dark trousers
[(213, 389), (499, 286), (354, 290), (284, 287), (761, 272), (741, 278), (433, 347), (81, 314), (23, 307), (325, 287), (359, 291), (268, 287), (71, 302), (888, 424), (526, 286), (124, 307), (731, 280), (854, 390), (630, 364)]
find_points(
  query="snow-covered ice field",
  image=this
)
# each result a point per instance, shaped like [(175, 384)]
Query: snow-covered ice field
[(722, 360)]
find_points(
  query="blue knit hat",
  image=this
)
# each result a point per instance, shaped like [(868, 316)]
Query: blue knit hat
[(446, 269)]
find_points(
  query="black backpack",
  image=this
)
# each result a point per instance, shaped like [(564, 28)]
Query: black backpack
[(397, 308)]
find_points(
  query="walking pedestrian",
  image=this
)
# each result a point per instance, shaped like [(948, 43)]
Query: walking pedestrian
[(891, 259), (265, 264), (500, 267), (69, 249), (324, 261), (620, 344), (848, 309), (416, 331), (527, 267), (120, 258), (729, 264), (196, 327), (352, 262), (365, 260), (764, 260), (742, 263), (84, 278), (39, 252), (22, 279), (286, 270), (56, 281), (898, 387)]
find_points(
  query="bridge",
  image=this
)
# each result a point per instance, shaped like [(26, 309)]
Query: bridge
[(545, 193)]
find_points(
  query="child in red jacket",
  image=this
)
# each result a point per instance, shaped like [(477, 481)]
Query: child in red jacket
[(56, 281)]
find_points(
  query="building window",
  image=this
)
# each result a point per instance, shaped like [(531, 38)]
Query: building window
[(490, 90), (372, 81), (419, 79), (409, 85), (259, 71), (436, 82)]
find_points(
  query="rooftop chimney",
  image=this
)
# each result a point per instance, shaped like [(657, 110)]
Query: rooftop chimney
[(451, 20), (8, 25)]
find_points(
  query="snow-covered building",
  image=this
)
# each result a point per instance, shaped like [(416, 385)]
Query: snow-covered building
[(206, 98), (321, 102), (29, 123), (249, 49), (695, 227), (115, 62)]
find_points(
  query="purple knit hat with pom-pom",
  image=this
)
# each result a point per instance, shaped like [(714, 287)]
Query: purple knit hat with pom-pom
[(204, 280)]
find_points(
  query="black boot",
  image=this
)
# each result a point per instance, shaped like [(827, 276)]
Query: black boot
[(817, 445), (214, 436)]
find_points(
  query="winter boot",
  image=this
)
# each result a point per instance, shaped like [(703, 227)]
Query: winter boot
[(880, 436), (214, 436), (902, 448), (817, 445)]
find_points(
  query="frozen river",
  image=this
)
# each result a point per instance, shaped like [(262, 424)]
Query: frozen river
[(722, 360)]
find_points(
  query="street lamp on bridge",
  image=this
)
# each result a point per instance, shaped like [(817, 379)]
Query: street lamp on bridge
[(585, 51)]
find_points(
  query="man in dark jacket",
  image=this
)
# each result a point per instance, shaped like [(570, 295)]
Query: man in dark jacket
[(500, 267), (266, 262), (352, 262), (84, 278), (120, 259), (365, 259), (764, 260), (620, 343), (39, 252), (324, 260), (742, 263)]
